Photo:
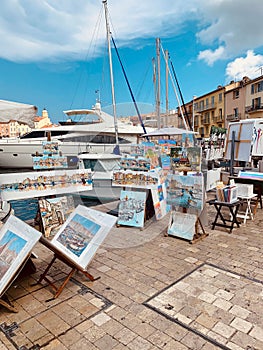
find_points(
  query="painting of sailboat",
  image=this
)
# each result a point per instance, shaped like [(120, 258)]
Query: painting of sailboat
[(78, 233), (82, 234)]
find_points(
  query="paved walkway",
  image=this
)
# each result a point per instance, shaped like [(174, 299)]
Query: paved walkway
[(154, 292)]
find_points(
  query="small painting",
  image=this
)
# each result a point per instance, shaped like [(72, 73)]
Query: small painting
[(16, 242), (186, 159), (50, 147), (82, 234), (182, 225), (185, 192), (131, 208), (54, 212)]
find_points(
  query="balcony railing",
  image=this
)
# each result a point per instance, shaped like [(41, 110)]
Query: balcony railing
[(205, 121), (233, 117), (256, 108), (205, 107)]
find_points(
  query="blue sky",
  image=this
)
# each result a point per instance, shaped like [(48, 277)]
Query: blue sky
[(54, 53)]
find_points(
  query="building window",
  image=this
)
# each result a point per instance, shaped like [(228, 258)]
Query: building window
[(235, 94), (256, 103), (212, 100), (236, 113), (220, 97)]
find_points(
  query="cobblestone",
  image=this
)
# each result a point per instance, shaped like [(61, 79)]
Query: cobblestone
[(154, 292)]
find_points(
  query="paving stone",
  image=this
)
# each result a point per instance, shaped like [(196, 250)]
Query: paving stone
[(241, 325), (139, 344), (223, 329), (257, 333), (100, 319), (239, 311), (106, 342)]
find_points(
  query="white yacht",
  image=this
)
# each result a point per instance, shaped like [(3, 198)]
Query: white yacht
[(95, 134)]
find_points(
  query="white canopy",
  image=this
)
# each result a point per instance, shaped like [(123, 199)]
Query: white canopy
[(168, 132)]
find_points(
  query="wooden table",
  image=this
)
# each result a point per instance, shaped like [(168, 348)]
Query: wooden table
[(233, 210)]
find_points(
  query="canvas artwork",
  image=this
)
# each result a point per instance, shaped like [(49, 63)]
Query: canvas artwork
[(131, 208), (186, 159), (17, 239), (182, 225), (188, 140), (135, 163), (54, 212), (15, 186), (145, 179), (50, 162), (82, 234), (151, 152), (185, 192), (50, 147)]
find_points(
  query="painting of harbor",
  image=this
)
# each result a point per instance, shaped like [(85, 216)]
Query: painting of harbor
[(82, 234), (131, 208), (77, 234)]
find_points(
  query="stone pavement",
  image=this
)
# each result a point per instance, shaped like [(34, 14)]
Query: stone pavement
[(154, 292)]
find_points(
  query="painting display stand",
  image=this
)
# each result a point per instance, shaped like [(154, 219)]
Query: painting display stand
[(74, 268), (5, 302), (199, 231)]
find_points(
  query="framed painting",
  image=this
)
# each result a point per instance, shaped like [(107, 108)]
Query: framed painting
[(54, 212), (131, 208), (17, 239), (82, 234)]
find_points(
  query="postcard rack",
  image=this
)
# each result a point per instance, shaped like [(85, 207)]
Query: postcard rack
[(74, 268)]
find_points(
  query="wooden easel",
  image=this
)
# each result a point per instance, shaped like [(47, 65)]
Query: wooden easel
[(59, 256)]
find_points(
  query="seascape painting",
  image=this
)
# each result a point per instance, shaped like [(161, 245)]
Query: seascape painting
[(82, 234), (16, 242), (77, 234)]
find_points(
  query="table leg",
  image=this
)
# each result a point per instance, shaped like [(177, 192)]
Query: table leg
[(234, 217)]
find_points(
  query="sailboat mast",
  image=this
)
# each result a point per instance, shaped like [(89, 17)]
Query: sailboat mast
[(158, 84), (111, 70)]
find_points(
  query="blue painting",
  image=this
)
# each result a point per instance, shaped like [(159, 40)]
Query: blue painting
[(10, 247), (185, 192), (77, 234), (131, 208)]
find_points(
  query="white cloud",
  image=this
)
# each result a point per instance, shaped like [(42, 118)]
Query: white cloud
[(210, 56), (49, 30), (235, 25), (245, 66)]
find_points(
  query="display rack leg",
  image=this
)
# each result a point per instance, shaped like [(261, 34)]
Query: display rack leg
[(4, 301), (59, 289)]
